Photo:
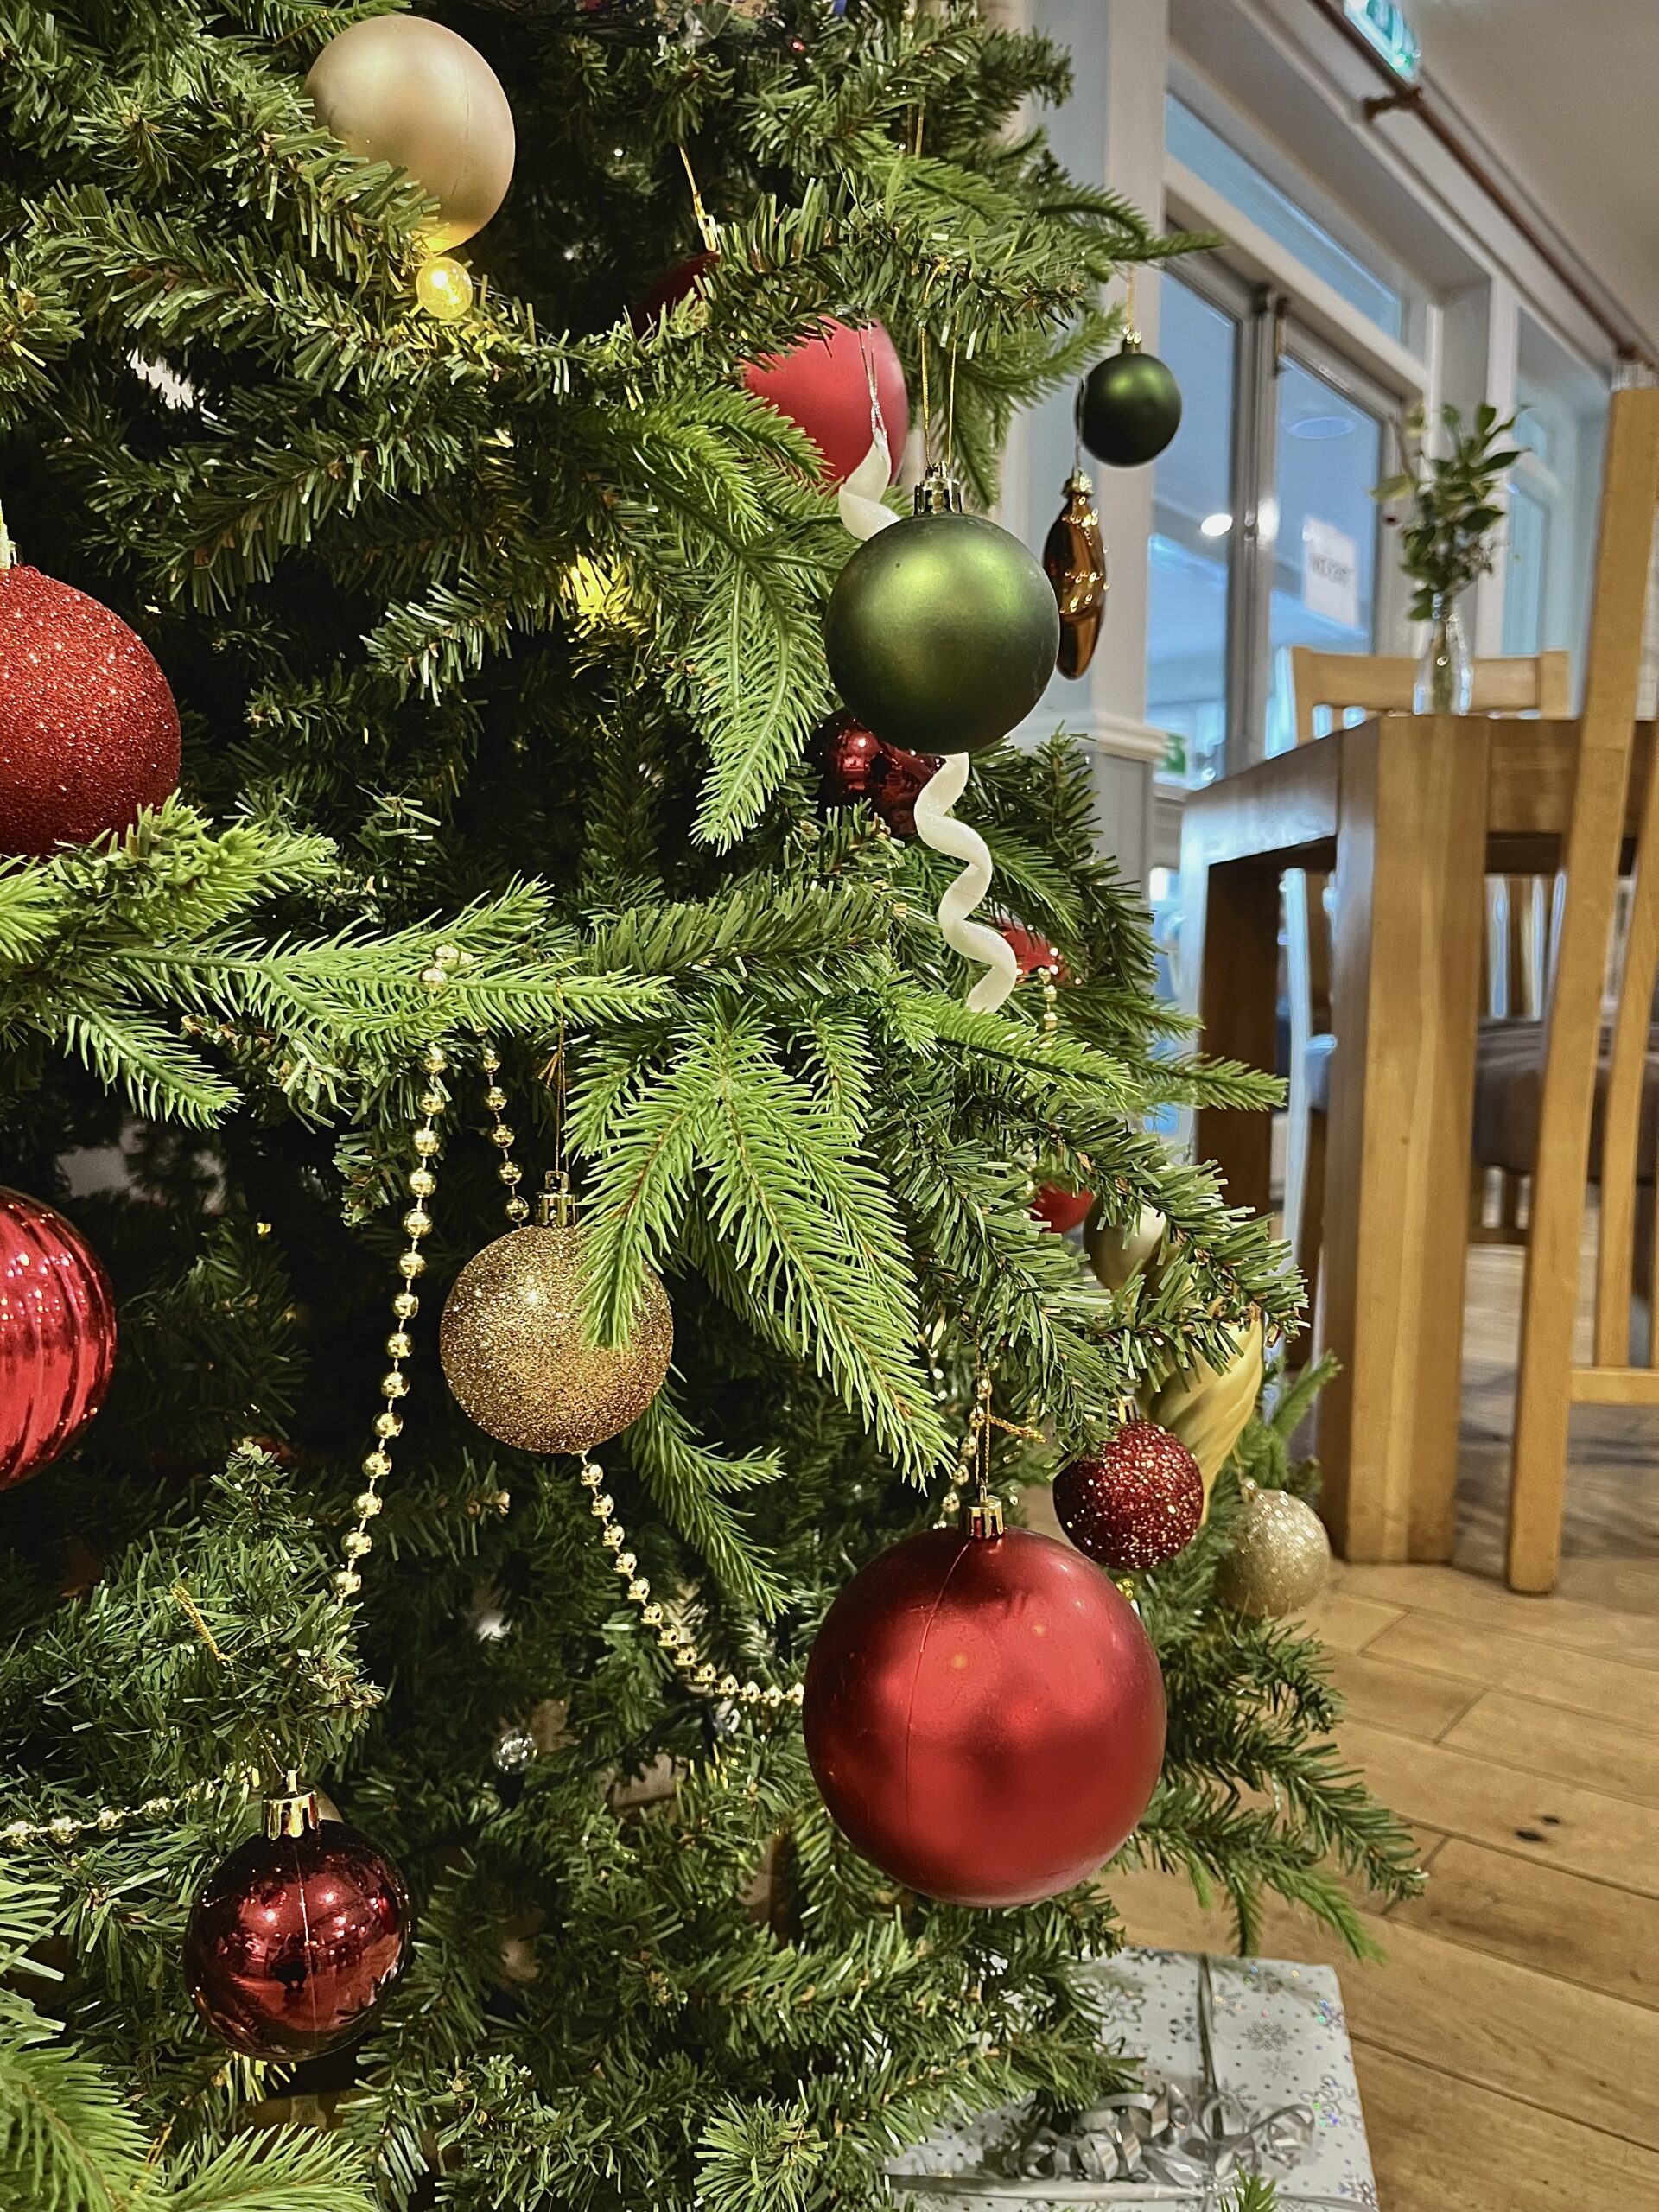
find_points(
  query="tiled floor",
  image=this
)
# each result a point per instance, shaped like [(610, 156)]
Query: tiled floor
[(1508, 2048)]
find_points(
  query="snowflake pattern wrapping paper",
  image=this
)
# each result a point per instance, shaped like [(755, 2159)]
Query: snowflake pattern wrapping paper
[(1247, 2068)]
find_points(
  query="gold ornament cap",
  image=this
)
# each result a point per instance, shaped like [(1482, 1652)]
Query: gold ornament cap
[(294, 1811), (409, 92), (938, 494), (986, 1520)]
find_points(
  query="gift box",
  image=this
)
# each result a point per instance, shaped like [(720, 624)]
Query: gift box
[(1247, 2070)]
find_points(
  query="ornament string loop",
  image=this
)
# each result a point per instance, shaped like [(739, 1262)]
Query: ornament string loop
[(863, 513)]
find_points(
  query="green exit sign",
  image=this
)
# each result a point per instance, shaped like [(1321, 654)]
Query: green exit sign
[(1386, 27)]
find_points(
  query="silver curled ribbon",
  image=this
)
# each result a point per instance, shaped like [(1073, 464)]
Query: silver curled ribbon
[(1149, 2146)]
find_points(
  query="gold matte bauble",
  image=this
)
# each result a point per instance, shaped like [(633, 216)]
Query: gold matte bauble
[(1280, 1555), (405, 90), (1117, 1254), (1207, 1409), (514, 1345)]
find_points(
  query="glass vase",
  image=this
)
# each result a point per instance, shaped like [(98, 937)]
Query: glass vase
[(1445, 675)]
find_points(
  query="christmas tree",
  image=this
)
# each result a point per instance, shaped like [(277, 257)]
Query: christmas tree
[(492, 597)]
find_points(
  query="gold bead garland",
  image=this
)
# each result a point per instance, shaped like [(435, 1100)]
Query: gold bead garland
[(434, 1102), (109, 1820), (503, 1138), (697, 1673)]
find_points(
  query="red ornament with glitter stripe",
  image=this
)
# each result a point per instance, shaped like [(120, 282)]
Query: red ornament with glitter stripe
[(1133, 1504), (89, 732), (57, 1335)]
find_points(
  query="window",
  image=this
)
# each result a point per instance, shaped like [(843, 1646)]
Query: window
[(1193, 537), (1255, 194), (1561, 420)]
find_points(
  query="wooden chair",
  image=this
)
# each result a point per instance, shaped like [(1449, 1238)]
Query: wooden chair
[(1595, 1085), (1383, 683)]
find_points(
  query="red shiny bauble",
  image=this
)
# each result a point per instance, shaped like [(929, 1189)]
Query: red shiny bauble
[(57, 1335), (856, 764), (984, 1716), (297, 1941), (823, 386), (88, 729), (1133, 1504), (1061, 1210)]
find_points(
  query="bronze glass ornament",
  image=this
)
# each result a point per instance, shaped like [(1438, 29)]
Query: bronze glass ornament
[(1280, 1555), (941, 632), (405, 90), (513, 1342), (1131, 407), (1074, 560)]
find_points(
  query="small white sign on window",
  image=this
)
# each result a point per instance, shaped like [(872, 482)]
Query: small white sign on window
[(1329, 573)]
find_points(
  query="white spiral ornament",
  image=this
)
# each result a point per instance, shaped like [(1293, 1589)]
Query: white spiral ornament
[(938, 827), (860, 495)]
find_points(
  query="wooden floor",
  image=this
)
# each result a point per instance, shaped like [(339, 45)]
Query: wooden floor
[(1508, 2049)]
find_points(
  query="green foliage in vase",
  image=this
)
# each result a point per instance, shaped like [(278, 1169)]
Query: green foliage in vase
[(503, 635), (1448, 534)]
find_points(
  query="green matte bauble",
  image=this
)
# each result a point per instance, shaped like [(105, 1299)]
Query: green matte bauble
[(942, 633), (1131, 409), (405, 90)]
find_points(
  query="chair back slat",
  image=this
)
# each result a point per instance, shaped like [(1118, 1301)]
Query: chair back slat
[(1620, 1164), (1590, 871)]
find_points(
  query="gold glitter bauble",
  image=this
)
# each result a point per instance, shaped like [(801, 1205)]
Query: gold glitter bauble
[(405, 90), (1280, 1555), (513, 1344), (1209, 1410)]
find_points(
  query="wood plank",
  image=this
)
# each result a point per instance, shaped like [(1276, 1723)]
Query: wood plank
[(1616, 1386), (1578, 1681), (1579, 1747), (1579, 1625), (1286, 805), (1442, 2145), (1408, 1699), (1463, 2011), (1554, 1823), (1560, 1924), (1230, 924), (1345, 1622)]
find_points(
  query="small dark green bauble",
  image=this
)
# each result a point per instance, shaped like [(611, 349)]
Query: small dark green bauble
[(942, 633), (1131, 409)]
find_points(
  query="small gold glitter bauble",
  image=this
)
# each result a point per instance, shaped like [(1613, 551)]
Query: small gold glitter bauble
[(1280, 1555), (513, 1344)]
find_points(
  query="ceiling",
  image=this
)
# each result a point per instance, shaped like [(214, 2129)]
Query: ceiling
[(1565, 92)]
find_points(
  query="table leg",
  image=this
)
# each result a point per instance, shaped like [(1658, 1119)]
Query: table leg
[(1230, 924), (1405, 999)]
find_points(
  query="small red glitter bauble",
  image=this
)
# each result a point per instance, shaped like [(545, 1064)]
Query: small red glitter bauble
[(88, 729), (57, 1335), (297, 1940), (1061, 1210), (1133, 1504), (857, 765), (1031, 951), (984, 1716)]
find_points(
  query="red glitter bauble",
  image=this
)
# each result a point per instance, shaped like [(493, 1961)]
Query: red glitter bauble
[(1061, 1210), (857, 765), (88, 729), (1133, 1504), (823, 386), (1031, 951), (984, 1716), (57, 1335), (297, 1940)]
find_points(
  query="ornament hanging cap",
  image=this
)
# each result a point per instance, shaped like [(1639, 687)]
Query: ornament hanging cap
[(292, 1811), (939, 494), (986, 1521), (556, 1206)]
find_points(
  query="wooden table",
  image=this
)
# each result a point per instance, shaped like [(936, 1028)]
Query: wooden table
[(1410, 813)]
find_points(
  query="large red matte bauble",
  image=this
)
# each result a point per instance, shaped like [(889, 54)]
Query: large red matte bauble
[(1133, 1504), (88, 729), (984, 1716), (856, 764), (297, 1941), (1060, 1209), (57, 1335), (822, 385)]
